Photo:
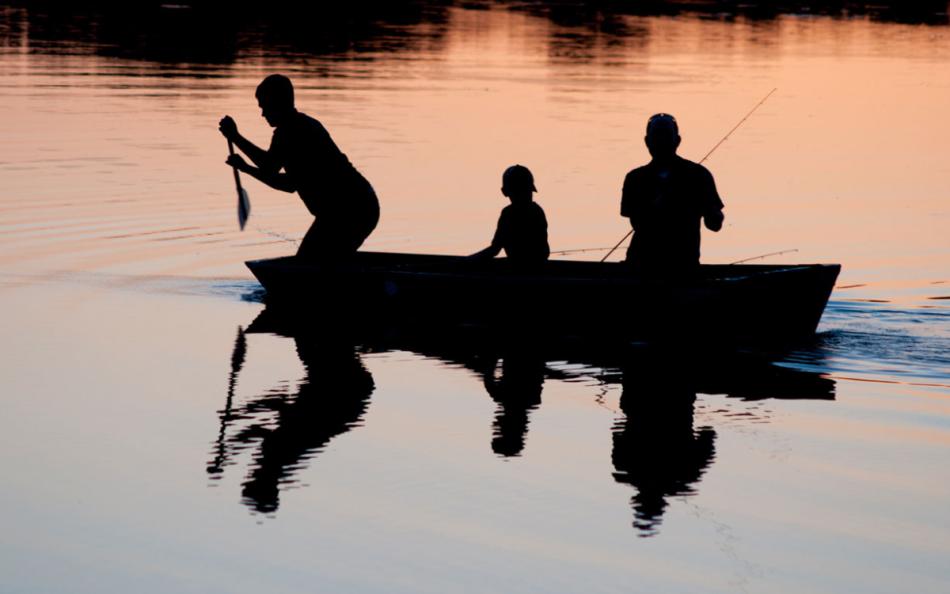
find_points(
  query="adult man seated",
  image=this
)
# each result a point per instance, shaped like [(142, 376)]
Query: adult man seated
[(665, 200)]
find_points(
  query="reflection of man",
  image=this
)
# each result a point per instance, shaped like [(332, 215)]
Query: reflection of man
[(665, 200), (341, 200), (656, 449)]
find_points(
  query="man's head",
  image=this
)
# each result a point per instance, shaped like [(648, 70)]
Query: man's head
[(275, 96), (663, 136), (517, 183)]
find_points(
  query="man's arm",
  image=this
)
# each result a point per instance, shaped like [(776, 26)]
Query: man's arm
[(263, 159), (628, 201), (713, 220), (712, 204)]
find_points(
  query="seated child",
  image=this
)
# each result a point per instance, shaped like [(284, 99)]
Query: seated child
[(522, 228)]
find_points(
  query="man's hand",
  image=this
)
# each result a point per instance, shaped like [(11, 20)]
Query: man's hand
[(238, 162), (713, 220), (228, 128)]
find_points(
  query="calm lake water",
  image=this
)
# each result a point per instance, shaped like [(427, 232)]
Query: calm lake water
[(149, 444)]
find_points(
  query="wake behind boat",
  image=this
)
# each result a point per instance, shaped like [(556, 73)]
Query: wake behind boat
[(729, 303)]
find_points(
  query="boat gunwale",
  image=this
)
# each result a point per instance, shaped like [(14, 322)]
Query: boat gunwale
[(741, 272)]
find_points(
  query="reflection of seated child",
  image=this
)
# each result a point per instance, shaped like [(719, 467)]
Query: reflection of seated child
[(522, 228)]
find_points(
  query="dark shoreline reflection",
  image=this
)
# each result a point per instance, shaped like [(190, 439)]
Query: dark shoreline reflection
[(579, 12), (657, 447), (290, 429), (199, 32), (203, 33)]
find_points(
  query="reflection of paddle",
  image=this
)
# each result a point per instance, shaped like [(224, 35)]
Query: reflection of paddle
[(243, 203), (237, 360)]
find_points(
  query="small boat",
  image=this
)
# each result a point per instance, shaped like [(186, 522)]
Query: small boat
[(738, 303)]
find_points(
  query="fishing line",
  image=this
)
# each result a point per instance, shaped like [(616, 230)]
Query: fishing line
[(277, 235)]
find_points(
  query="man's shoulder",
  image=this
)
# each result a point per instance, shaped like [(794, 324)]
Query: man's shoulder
[(638, 172), (693, 168)]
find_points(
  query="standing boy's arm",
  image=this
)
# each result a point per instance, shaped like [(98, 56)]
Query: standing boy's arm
[(274, 179), (263, 159)]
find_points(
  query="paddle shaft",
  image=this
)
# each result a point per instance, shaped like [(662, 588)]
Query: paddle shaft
[(711, 151), (237, 176)]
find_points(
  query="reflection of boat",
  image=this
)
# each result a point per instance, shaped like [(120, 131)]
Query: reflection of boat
[(657, 446), (747, 302)]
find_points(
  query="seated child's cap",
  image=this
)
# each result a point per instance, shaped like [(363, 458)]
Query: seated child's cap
[(518, 176)]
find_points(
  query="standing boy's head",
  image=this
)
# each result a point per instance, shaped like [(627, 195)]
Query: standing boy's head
[(275, 96), (663, 136), (517, 183)]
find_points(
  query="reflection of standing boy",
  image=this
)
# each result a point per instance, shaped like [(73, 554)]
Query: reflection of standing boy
[(522, 227)]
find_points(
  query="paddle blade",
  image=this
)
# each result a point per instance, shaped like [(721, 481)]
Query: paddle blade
[(243, 207)]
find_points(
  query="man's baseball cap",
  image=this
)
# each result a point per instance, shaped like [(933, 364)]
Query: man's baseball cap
[(664, 120)]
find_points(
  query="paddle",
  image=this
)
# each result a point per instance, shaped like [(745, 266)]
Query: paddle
[(237, 360), (243, 202)]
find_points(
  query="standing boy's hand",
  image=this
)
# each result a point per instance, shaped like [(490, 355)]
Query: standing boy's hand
[(238, 162), (228, 128)]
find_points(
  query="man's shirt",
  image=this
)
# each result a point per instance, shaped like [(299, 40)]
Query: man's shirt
[(665, 212)]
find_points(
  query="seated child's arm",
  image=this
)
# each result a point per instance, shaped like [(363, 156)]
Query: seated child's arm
[(487, 253), (496, 242)]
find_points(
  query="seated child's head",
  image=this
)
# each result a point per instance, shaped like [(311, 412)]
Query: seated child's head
[(517, 183)]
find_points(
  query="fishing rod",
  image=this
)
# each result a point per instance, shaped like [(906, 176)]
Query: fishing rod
[(763, 256), (711, 151), (579, 251)]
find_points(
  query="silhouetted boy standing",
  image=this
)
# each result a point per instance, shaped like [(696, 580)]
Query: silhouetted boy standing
[(343, 203)]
